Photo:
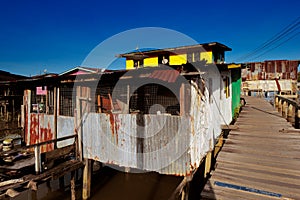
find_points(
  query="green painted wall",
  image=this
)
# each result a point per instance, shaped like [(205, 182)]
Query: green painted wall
[(236, 89)]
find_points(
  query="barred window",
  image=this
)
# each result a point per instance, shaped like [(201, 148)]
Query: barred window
[(66, 101)]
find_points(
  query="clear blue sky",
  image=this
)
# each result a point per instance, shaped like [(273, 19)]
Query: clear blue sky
[(58, 35)]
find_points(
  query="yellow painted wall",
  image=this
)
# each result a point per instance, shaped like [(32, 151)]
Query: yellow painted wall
[(206, 56), (151, 62), (129, 64), (178, 59)]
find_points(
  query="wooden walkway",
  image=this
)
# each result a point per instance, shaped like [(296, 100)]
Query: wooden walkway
[(259, 160)]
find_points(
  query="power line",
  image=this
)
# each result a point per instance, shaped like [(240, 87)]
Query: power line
[(277, 45), (289, 29)]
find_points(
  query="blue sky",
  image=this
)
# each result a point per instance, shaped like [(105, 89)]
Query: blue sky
[(58, 35)]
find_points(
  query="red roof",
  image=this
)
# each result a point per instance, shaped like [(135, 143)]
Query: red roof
[(165, 75)]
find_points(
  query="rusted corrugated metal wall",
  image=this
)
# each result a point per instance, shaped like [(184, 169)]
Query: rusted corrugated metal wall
[(164, 143), (269, 70), (41, 130), (148, 142)]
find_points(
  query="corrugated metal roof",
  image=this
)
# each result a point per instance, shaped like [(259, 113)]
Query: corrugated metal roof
[(215, 45), (165, 75)]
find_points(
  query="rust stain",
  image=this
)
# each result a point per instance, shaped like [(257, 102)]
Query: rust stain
[(46, 135), (34, 123), (40, 134), (114, 125)]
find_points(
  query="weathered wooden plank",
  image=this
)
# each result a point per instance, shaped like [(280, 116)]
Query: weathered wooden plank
[(263, 153)]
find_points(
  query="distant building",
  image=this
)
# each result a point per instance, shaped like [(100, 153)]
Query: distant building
[(269, 77), (271, 70), (11, 96)]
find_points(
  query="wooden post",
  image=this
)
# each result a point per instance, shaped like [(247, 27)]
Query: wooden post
[(27, 104), (87, 174), (78, 122), (279, 105), (296, 118), (284, 109), (99, 104), (185, 192), (290, 114), (208, 160), (182, 100), (276, 102), (61, 181), (13, 110), (128, 99), (33, 195), (37, 159), (73, 191), (55, 113)]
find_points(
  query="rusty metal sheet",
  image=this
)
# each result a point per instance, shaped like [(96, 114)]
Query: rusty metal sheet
[(120, 139), (164, 143), (110, 138), (41, 130), (165, 75), (271, 69), (65, 127)]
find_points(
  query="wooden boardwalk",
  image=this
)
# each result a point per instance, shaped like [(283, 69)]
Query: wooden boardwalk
[(259, 160)]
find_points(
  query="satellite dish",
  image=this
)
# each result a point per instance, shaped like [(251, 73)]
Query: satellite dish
[(165, 61)]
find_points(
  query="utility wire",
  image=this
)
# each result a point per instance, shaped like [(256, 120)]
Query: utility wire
[(277, 45), (292, 27)]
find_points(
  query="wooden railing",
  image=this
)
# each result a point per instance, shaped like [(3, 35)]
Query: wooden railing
[(288, 108)]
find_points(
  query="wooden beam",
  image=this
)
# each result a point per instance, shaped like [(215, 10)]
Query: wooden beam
[(73, 186), (87, 175), (229, 127)]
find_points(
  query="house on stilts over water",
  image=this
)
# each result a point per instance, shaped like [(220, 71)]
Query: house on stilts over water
[(164, 113)]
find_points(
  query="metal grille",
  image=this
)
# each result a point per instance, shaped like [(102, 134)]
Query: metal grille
[(66, 101), (154, 99), (148, 99)]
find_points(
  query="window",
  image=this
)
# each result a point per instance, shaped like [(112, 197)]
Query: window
[(197, 56), (190, 57), (138, 63), (163, 59), (66, 101), (42, 100), (226, 87), (154, 99)]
